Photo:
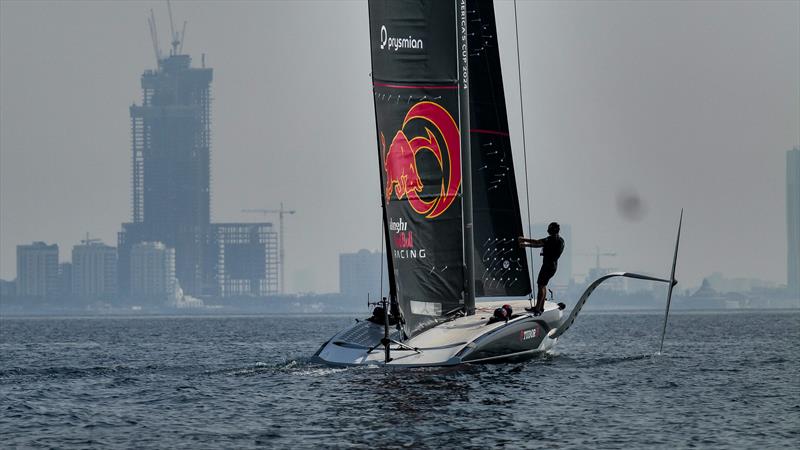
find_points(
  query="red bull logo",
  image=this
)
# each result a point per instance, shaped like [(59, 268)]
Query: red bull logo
[(400, 162)]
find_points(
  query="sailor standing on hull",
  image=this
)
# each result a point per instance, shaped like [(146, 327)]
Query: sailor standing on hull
[(552, 246)]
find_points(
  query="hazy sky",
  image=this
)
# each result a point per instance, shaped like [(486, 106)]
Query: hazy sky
[(687, 104)]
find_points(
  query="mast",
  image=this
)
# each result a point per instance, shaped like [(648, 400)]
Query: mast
[(466, 164), (384, 215), (389, 262)]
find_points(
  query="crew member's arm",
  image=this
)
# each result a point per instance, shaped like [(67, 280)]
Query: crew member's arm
[(535, 243)]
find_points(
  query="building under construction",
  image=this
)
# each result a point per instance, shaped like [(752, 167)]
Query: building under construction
[(246, 259), (170, 142)]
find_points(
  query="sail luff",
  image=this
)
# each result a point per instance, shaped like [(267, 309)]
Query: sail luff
[(466, 159)]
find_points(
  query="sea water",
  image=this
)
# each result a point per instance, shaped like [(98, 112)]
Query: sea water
[(725, 380)]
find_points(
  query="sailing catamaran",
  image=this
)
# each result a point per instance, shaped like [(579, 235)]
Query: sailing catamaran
[(451, 214)]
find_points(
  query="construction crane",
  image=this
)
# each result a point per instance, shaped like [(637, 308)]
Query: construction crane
[(151, 23), (177, 38), (597, 254), (90, 241), (280, 212)]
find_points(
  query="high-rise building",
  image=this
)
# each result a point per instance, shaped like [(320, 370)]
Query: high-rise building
[(152, 270), (793, 220), (37, 270), (65, 279), (246, 259), (360, 274), (563, 276), (171, 168), (94, 269), (8, 288)]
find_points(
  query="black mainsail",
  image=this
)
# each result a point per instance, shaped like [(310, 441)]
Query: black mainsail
[(501, 266), (438, 93)]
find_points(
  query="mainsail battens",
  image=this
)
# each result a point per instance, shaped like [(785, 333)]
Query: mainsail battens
[(447, 87), (496, 133), (501, 267)]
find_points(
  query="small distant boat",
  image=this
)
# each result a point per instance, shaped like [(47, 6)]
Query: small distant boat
[(451, 213)]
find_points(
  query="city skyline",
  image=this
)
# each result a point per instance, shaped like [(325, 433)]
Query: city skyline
[(708, 146)]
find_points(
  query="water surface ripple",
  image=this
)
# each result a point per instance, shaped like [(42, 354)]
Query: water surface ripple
[(726, 380)]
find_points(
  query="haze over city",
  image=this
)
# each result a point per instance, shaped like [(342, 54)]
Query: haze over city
[(679, 105)]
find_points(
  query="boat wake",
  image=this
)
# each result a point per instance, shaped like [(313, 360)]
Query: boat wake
[(299, 366)]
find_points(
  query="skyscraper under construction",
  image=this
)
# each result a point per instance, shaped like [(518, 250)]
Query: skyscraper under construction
[(170, 142), (170, 134)]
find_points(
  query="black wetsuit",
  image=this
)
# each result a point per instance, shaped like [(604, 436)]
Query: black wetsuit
[(551, 251)]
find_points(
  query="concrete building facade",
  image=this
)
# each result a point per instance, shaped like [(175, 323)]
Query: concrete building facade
[(152, 270), (37, 270), (8, 288), (94, 270)]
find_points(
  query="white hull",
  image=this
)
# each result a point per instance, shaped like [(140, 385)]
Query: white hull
[(469, 339)]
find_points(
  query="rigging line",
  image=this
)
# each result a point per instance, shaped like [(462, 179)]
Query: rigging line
[(524, 148)]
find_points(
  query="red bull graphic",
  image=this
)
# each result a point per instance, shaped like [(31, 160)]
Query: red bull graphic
[(404, 240), (400, 162), (401, 236)]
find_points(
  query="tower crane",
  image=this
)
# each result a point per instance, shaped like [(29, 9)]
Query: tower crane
[(151, 23), (597, 254), (177, 38), (280, 212), (90, 241)]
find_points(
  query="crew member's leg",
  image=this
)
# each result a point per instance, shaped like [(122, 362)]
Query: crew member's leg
[(545, 273), (540, 296)]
